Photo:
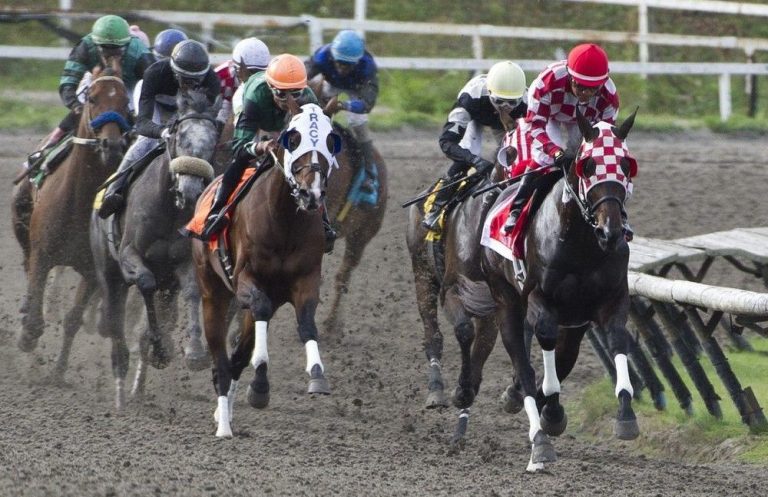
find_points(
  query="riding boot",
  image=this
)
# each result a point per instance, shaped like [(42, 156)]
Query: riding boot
[(432, 218), (369, 184), (330, 233), (114, 198), (524, 191), (216, 220), (36, 157)]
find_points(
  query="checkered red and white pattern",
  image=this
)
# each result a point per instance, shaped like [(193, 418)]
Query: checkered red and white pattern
[(550, 98), (606, 150), (228, 78)]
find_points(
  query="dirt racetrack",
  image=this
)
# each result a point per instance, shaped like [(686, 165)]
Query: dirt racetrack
[(372, 436)]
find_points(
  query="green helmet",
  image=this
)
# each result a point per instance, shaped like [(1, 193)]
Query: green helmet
[(111, 30)]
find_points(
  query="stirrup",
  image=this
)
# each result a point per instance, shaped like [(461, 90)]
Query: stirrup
[(509, 224), (432, 220), (213, 224)]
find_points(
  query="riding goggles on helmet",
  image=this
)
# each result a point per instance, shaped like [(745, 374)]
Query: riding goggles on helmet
[(283, 94), (506, 103)]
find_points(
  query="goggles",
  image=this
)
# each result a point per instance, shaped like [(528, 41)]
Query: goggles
[(112, 50), (283, 94), (584, 89), (506, 103)]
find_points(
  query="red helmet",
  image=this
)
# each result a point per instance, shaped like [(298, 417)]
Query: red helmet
[(588, 64)]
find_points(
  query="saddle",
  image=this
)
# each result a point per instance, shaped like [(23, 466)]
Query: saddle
[(44, 162)]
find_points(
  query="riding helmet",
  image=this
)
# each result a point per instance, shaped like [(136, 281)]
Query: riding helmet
[(506, 80), (286, 72), (588, 64), (347, 46), (189, 59), (111, 30), (251, 52), (165, 41)]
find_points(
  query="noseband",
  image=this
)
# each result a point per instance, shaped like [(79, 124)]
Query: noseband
[(313, 166), (95, 124)]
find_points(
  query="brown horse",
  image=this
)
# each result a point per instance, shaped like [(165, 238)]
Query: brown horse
[(277, 242), (54, 233), (576, 259)]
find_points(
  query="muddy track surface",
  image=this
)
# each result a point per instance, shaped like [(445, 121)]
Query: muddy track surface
[(372, 436)]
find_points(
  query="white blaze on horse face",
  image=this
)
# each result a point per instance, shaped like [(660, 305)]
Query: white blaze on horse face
[(313, 356), (622, 375), (260, 355)]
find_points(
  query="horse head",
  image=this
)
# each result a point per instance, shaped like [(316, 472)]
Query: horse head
[(603, 170), (194, 131), (310, 146), (104, 122)]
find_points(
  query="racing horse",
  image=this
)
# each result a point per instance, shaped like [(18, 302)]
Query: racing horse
[(276, 241), (142, 246), (576, 257), (52, 234)]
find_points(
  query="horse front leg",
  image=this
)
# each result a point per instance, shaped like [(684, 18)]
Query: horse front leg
[(427, 289), (305, 296), (73, 321), (613, 320), (196, 356), (33, 324), (112, 324), (252, 343)]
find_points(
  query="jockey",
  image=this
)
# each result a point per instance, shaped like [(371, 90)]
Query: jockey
[(165, 41), (551, 127), (187, 68), (265, 110), (496, 100), (345, 66), (110, 37), (249, 56)]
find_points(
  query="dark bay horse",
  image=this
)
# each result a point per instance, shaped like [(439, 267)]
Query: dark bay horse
[(142, 246), (277, 241), (576, 259), (53, 234)]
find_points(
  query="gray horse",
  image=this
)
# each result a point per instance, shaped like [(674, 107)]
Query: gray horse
[(142, 246)]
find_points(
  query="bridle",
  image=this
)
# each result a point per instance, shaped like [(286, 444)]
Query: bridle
[(290, 177), (95, 124), (586, 208)]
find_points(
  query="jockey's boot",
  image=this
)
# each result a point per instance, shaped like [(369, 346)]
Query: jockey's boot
[(524, 192), (215, 221), (114, 199), (432, 218), (629, 234), (330, 233), (369, 183)]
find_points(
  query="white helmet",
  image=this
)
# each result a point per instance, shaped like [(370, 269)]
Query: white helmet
[(506, 80), (253, 53)]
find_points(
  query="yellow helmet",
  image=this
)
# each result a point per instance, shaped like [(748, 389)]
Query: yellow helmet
[(506, 80)]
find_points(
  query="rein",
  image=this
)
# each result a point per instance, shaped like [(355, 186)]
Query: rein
[(94, 124), (588, 210)]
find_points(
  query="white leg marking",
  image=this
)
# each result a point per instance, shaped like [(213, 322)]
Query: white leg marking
[(313, 355), (550, 384), (533, 416), (224, 429), (534, 467), (119, 393), (622, 375), (231, 399), (260, 354)]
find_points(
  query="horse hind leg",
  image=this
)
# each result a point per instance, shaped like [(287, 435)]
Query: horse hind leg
[(72, 323), (354, 246), (196, 356)]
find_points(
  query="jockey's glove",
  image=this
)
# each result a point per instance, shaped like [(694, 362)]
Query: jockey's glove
[(562, 159), (481, 165), (165, 134)]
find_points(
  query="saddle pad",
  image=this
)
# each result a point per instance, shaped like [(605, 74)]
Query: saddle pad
[(358, 196), (509, 246), (195, 226)]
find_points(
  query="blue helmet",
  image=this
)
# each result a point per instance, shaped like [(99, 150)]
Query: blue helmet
[(165, 41), (348, 47)]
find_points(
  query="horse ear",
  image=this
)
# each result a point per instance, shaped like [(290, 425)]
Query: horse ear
[(587, 131), (334, 143), (623, 130)]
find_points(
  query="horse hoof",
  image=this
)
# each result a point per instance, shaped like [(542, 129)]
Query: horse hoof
[(457, 445), (224, 432), (543, 451), (553, 420), (27, 344), (317, 381), (627, 429), (436, 399), (511, 400), (197, 361), (258, 400)]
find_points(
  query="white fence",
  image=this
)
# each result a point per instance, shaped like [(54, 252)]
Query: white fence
[(316, 27)]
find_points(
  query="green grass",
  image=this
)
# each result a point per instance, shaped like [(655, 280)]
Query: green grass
[(23, 115), (700, 435)]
